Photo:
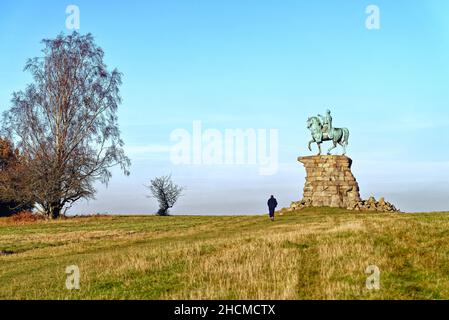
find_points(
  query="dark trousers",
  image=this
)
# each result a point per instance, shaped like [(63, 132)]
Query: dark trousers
[(271, 211)]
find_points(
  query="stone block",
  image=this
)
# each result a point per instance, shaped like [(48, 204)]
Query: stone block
[(329, 181)]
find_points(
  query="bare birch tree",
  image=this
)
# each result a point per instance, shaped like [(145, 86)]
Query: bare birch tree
[(65, 123)]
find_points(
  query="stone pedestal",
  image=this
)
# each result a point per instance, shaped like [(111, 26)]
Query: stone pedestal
[(329, 182)]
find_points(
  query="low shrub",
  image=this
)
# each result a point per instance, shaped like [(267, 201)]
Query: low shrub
[(25, 217)]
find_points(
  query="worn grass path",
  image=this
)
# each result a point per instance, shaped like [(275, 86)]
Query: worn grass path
[(313, 254)]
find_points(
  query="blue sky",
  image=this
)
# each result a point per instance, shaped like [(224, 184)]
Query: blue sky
[(268, 65)]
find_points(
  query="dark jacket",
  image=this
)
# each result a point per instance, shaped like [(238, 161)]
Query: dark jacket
[(272, 203)]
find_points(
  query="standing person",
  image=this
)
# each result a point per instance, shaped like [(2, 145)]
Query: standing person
[(272, 204)]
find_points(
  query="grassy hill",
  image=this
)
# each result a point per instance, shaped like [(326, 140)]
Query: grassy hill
[(313, 254)]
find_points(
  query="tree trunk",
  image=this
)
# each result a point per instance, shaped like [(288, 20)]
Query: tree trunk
[(163, 211), (55, 211)]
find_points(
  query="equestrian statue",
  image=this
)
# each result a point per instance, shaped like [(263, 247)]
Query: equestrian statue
[(322, 130)]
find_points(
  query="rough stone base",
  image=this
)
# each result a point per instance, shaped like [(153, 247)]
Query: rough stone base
[(364, 205), (373, 205), (329, 182)]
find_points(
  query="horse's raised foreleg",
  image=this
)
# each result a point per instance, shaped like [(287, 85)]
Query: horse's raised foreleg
[(310, 144), (317, 143)]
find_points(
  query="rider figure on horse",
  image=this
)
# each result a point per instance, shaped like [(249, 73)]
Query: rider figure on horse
[(327, 125), (322, 130)]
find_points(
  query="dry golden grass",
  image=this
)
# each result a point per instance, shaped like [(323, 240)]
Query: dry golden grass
[(313, 254)]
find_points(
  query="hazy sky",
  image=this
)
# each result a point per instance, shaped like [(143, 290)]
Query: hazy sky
[(261, 65)]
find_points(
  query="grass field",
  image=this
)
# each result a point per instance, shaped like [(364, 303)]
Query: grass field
[(313, 254)]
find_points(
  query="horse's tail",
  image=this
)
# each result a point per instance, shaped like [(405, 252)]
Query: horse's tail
[(345, 136)]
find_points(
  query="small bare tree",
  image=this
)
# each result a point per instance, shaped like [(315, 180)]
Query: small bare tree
[(65, 123), (166, 193)]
